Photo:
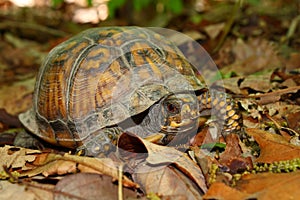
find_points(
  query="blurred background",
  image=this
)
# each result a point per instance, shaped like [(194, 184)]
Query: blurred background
[(242, 36), (253, 17)]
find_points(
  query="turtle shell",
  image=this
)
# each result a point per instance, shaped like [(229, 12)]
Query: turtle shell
[(100, 78)]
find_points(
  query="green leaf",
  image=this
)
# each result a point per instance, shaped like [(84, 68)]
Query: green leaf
[(254, 2), (196, 19), (216, 145), (229, 74), (175, 6), (89, 2), (113, 5), (138, 5), (56, 3)]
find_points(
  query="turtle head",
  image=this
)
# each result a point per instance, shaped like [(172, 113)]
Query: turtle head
[(179, 113)]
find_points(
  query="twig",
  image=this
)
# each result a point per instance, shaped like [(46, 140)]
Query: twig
[(228, 25), (27, 184), (292, 28), (120, 182), (35, 27), (278, 126)]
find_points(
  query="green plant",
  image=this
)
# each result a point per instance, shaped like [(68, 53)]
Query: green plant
[(57, 3), (173, 6)]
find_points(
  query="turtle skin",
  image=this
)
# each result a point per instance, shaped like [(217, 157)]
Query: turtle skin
[(106, 81)]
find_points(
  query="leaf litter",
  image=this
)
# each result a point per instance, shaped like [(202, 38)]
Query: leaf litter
[(262, 74)]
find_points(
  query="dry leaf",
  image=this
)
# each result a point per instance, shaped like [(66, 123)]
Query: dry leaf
[(251, 56), (167, 155), (258, 82), (293, 61), (166, 182), (203, 137), (232, 156), (8, 119), (275, 96), (214, 30), (160, 155), (40, 190), (269, 186), (21, 93), (221, 191), (290, 82), (252, 108), (51, 164), (230, 84), (205, 161), (16, 157), (59, 167), (104, 166), (15, 191), (265, 186), (89, 186), (293, 120), (273, 147)]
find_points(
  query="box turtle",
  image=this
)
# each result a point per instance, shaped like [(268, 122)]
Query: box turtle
[(106, 81)]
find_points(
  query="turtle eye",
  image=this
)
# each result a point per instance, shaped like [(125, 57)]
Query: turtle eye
[(172, 107)]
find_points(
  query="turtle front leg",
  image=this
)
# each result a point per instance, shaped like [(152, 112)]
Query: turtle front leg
[(224, 108), (101, 142)]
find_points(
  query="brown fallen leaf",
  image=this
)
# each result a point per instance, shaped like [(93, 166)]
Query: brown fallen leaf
[(221, 191), (275, 96), (265, 186), (232, 156), (22, 96), (101, 165), (258, 82), (205, 161), (16, 157), (269, 186), (293, 120), (15, 191), (167, 155), (89, 186), (293, 61), (273, 147), (281, 109), (131, 150), (8, 119), (251, 56), (288, 83), (214, 30), (152, 154), (166, 182), (231, 160), (49, 164), (59, 167), (53, 164), (203, 137), (40, 190), (231, 84)]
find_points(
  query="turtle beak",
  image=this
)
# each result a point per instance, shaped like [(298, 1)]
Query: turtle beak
[(183, 121)]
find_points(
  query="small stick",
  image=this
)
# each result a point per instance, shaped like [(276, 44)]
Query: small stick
[(120, 182)]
